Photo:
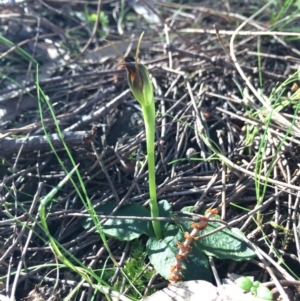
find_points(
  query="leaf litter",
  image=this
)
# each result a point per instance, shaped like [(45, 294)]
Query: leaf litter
[(200, 94)]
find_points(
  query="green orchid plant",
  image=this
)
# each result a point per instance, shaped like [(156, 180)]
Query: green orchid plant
[(141, 87), (172, 247), (176, 247)]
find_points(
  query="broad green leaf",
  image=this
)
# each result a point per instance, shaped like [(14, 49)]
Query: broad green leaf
[(165, 210), (127, 229), (170, 229), (122, 229), (106, 209), (225, 244), (162, 255)]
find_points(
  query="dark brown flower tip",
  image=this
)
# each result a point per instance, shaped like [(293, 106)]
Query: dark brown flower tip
[(130, 68), (129, 59)]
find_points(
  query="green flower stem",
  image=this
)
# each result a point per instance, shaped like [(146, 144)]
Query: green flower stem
[(142, 89), (149, 118)]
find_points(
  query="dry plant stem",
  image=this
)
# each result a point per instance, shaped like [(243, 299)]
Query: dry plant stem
[(121, 263), (95, 115), (230, 16), (138, 218), (221, 62), (73, 283), (95, 28), (22, 260), (296, 206), (263, 256), (241, 32), (226, 160), (150, 283), (87, 275), (272, 113), (214, 270), (205, 192), (250, 173), (224, 169), (185, 248), (12, 145), (272, 129), (63, 119)]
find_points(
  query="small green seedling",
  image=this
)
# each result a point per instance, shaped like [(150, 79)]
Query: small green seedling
[(245, 283), (262, 292), (256, 289)]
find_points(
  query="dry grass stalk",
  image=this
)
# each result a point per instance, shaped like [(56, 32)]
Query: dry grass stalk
[(185, 248)]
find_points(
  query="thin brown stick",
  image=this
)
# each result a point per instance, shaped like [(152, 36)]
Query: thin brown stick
[(9, 146)]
